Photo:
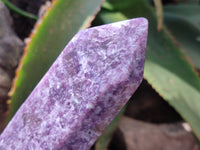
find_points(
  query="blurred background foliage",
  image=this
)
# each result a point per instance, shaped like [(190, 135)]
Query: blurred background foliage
[(172, 56)]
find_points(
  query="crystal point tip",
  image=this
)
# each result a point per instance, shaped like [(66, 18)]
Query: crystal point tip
[(88, 84)]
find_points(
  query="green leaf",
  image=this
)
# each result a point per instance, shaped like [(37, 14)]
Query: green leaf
[(104, 140), (117, 4), (187, 12), (187, 36), (166, 68), (183, 22), (63, 20), (189, 2)]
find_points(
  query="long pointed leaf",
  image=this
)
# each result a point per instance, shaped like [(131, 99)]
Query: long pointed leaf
[(183, 21), (104, 140), (62, 21), (188, 12), (166, 68), (187, 36)]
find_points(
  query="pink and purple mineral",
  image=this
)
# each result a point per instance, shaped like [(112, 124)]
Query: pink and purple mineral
[(85, 88)]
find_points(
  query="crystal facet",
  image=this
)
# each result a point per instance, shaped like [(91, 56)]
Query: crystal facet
[(85, 88)]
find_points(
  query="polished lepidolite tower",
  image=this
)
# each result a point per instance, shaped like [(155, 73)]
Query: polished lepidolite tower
[(85, 88)]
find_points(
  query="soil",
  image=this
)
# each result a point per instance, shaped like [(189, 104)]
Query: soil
[(148, 106)]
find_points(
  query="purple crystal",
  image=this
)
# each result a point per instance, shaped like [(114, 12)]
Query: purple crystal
[(83, 91)]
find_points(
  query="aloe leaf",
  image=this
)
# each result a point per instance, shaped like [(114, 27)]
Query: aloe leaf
[(187, 36), (62, 21), (183, 22), (189, 2), (104, 140), (187, 12), (166, 68), (117, 4)]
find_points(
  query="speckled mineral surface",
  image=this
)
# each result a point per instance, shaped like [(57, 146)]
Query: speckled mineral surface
[(84, 89)]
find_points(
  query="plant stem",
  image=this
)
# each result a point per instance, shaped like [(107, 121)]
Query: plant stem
[(18, 10), (159, 12)]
